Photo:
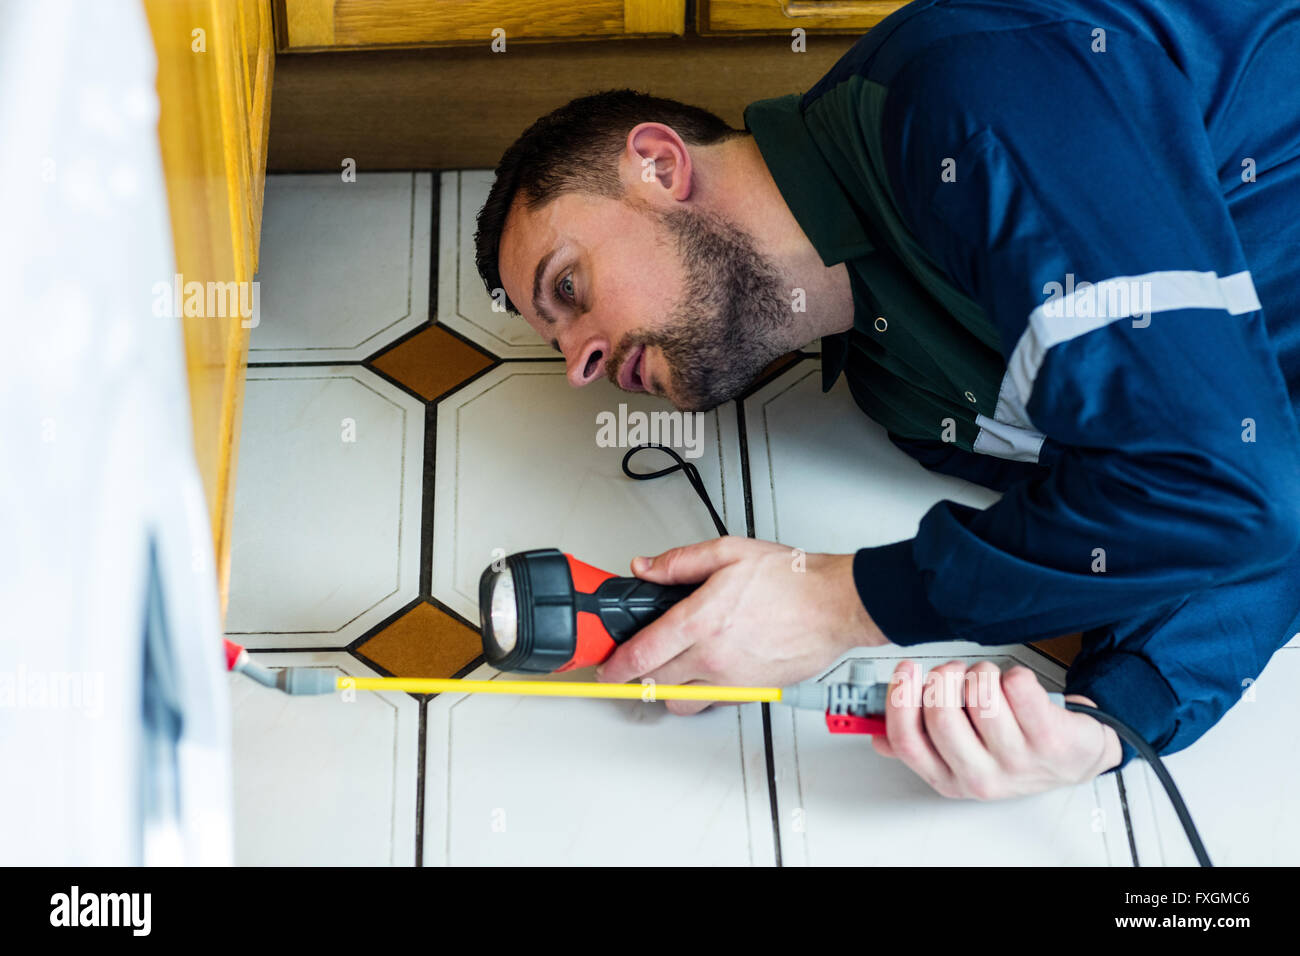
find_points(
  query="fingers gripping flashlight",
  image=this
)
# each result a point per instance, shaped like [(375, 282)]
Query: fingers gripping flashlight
[(546, 611)]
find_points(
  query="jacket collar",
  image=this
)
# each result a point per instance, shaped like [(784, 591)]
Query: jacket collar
[(815, 197)]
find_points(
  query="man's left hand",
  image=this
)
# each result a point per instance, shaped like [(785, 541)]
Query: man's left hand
[(980, 733)]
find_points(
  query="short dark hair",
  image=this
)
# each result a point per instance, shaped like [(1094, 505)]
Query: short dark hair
[(575, 149)]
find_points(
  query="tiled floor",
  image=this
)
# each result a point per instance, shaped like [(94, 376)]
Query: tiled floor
[(399, 434)]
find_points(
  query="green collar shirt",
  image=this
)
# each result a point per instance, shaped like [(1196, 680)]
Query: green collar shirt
[(922, 359)]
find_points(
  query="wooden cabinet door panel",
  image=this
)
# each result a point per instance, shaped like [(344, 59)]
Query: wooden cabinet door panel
[(335, 24), (257, 41), (781, 16)]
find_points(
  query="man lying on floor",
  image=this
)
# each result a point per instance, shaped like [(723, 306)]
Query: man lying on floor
[(1052, 246)]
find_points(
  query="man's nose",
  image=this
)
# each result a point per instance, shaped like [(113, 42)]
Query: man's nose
[(588, 364)]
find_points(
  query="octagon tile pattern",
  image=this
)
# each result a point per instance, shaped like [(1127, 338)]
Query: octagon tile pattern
[(467, 444)]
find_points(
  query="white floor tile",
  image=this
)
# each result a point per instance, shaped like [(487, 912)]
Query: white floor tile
[(321, 781), (326, 539), (344, 267), (463, 303), (1240, 782), (550, 781), (518, 467), (827, 478)]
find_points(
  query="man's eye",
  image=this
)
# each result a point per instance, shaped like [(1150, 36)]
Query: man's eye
[(566, 287)]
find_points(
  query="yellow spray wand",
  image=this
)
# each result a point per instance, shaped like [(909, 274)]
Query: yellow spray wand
[(530, 688), (316, 680), (856, 696)]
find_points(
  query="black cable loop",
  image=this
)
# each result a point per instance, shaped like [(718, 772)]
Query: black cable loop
[(692, 475)]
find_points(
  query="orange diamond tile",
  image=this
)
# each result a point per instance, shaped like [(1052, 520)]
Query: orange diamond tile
[(431, 362), (1063, 649), (423, 642)]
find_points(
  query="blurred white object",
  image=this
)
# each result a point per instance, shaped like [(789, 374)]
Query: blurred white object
[(113, 754)]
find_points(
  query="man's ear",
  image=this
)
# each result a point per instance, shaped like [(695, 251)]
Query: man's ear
[(658, 159)]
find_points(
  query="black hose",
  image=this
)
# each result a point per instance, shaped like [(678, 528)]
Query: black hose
[(1148, 753)]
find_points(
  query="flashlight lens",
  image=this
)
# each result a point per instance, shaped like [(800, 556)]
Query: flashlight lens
[(504, 612)]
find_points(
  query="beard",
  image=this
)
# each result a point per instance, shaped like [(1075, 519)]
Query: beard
[(733, 319)]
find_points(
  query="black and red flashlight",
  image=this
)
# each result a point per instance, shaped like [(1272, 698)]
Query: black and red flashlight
[(546, 611)]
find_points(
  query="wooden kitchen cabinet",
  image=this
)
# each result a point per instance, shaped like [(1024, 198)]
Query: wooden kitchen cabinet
[(742, 17), (257, 52), (362, 24), (215, 64)]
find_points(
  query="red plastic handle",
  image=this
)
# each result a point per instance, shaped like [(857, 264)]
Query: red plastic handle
[(846, 724), (592, 644)]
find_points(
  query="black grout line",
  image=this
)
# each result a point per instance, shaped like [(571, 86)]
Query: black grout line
[(461, 384), (768, 757), (320, 364), (435, 245), (422, 746), (382, 671), (450, 612), (1128, 821), (743, 433), (373, 370), (371, 631), (481, 349), (1042, 653), (297, 650), (426, 501), (470, 667), (771, 782), (400, 340), (430, 412)]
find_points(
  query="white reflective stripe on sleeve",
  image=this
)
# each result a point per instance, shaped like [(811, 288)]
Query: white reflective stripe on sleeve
[(1004, 435), (1092, 306), (1003, 440)]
